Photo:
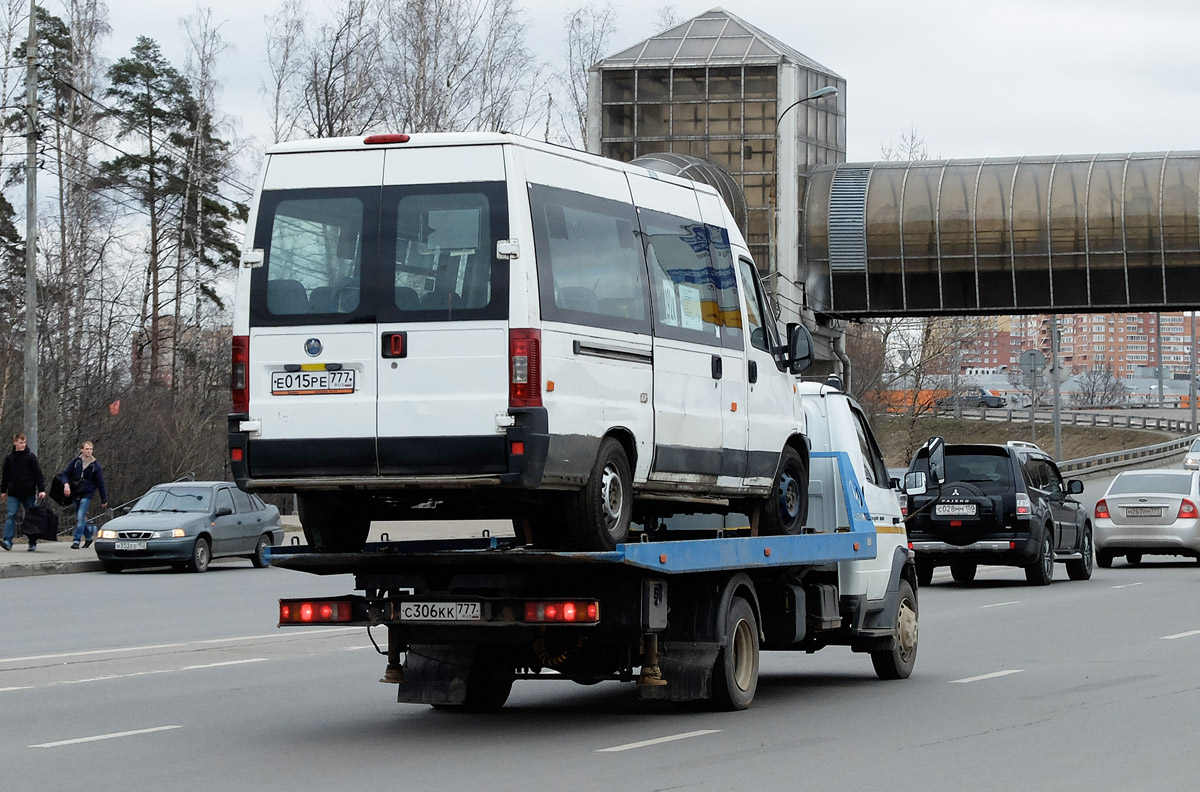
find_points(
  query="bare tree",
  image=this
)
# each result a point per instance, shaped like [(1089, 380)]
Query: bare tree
[(341, 87), (666, 17), (460, 65), (1098, 386), (285, 45), (911, 146), (588, 30)]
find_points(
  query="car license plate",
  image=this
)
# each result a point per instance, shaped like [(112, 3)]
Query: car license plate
[(955, 509), (440, 611), (1143, 511), (312, 383), (129, 546)]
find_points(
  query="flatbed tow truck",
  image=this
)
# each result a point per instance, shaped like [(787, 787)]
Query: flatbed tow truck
[(684, 619)]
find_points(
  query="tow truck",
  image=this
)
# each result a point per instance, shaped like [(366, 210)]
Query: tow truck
[(684, 618)]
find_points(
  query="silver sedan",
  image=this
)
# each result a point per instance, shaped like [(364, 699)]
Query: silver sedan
[(1192, 460), (1148, 512)]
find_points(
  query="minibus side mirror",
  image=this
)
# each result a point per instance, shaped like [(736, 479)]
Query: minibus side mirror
[(800, 348)]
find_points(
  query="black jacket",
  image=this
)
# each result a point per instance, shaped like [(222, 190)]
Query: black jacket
[(90, 478), (22, 474)]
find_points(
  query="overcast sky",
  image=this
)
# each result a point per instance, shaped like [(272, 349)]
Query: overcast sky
[(974, 78)]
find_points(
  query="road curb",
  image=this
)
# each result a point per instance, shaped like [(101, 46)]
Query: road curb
[(51, 567)]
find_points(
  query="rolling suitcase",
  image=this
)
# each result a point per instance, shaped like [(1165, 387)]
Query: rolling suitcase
[(40, 524)]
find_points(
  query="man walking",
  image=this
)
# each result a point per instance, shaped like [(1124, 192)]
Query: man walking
[(22, 485)]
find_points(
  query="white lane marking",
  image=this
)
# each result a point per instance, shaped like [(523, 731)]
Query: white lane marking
[(112, 736), (1187, 634), (982, 677), (1127, 585), (657, 741), (181, 644), (1002, 604), (136, 674)]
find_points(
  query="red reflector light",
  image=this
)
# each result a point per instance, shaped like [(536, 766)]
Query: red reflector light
[(956, 523), (314, 612), (574, 611), (378, 140), (518, 448), (1187, 510), (236, 454), (1102, 509)]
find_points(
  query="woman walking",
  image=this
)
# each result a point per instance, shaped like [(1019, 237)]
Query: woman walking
[(82, 478)]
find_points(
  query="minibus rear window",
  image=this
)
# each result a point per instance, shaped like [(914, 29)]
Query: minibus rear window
[(315, 245)]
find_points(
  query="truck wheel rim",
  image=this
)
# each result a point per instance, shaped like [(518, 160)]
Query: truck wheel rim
[(743, 655), (906, 629), (789, 498), (612, 495)]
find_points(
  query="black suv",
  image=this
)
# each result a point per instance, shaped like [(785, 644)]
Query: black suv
[(995, 504)]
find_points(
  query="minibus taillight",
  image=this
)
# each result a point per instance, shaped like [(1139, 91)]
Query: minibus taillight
[(525, 368), (238, 383)]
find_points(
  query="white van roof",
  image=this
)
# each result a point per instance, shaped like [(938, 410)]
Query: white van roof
[(442, 139)]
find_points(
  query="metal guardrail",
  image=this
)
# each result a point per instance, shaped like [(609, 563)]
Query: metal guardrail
[(1114, 459), (1077, 418), (1099, 462)]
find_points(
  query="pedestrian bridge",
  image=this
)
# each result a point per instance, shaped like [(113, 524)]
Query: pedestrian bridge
[(1051, 234)]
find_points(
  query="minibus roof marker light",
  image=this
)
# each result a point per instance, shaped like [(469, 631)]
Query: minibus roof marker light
[(377, 140)]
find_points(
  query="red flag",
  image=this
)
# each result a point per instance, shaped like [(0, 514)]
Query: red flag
[(115, 407)]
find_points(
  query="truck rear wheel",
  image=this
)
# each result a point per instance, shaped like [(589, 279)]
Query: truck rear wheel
[(333, 525), (898, 662), (599, 513), (786, 508), (735, 675), (489, 684)]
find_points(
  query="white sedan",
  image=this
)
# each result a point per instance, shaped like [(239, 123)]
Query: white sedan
[(1148, 512)]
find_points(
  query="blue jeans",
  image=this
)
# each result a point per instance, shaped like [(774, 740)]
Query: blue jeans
[(10, 525), (83, 529)]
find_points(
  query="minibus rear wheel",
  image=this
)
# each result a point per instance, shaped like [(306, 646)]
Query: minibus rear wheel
[(599, 513)]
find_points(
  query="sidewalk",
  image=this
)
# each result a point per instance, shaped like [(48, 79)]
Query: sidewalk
[(50, 558), (57, 558)]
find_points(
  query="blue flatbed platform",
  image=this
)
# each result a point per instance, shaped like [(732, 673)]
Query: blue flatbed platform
[(846, 543)]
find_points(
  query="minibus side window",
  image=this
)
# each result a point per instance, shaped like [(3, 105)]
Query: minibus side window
[(727, 293), (590, 269), (691, 295)]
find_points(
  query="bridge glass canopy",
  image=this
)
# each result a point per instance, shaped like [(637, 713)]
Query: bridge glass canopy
[(1020, 235)]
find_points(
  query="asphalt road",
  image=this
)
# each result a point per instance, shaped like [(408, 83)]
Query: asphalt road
[(153, 680)]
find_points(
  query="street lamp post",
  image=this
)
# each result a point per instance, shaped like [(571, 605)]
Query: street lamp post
[(828, 90), (773, 263)]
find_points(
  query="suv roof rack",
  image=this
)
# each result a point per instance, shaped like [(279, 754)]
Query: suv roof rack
[(1024, 444)]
